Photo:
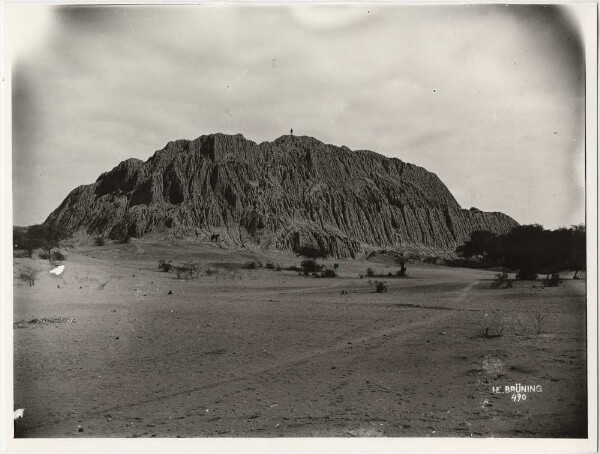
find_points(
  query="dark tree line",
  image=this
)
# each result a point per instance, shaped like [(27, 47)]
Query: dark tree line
[(530, 249), (45, 237)]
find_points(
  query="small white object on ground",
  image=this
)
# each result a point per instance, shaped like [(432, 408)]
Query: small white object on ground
[(19, 413), (58, 270)]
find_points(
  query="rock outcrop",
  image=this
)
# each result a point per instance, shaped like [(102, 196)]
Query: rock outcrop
[(280, 195)]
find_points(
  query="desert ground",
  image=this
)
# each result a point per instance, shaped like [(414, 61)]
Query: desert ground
[(104, 350)]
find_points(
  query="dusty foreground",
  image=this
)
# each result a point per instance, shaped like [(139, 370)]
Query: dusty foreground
[(266, 353)]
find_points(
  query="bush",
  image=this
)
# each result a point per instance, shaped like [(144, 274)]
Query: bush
[(44, 255), (165, 265), (251, 265), (328, 273), (380, 287), (193, 267), (270, 265), (501, 280), (58, 256), (552, 281), (188, 270), (539, 319), (310, 266), (124, 240), (370, 272), (99, 241)]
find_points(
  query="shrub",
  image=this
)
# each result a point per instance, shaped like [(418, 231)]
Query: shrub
[(188, 270), (538, 321), (99, 241), (210, 271), (270, 265), (251, 265), (29, 274), (552, 281), (501, 281), (58, 256), (370, 272), (165, 265), (44, 255), (401, 260), (310, 266), (193, 267), (124, 240), (328, 273), (380, 287), (293, 268), (495, 325)]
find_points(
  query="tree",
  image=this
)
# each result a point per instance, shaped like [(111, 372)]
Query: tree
[(22, 240), (47, 237), (530, 249), (482, 242), (577, 250), (310, 266), (29, 274), (523, 249), (401, 260)]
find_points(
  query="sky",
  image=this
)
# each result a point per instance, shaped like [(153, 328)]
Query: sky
[(491, 98)]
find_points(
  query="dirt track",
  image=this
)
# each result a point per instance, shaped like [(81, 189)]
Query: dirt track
[(267, 353)]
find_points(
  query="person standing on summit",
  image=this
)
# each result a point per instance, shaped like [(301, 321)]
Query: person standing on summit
[(291, 132)]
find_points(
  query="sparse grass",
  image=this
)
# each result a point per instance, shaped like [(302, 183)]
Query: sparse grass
[(189, 270), (43, 321), (522, 369)]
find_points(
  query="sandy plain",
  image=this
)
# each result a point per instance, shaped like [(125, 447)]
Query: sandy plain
[(265, 353)]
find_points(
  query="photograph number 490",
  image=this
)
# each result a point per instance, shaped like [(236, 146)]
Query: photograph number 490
[(318, 221)]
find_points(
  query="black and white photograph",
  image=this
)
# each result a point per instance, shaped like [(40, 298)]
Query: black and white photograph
[(302, 221)]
